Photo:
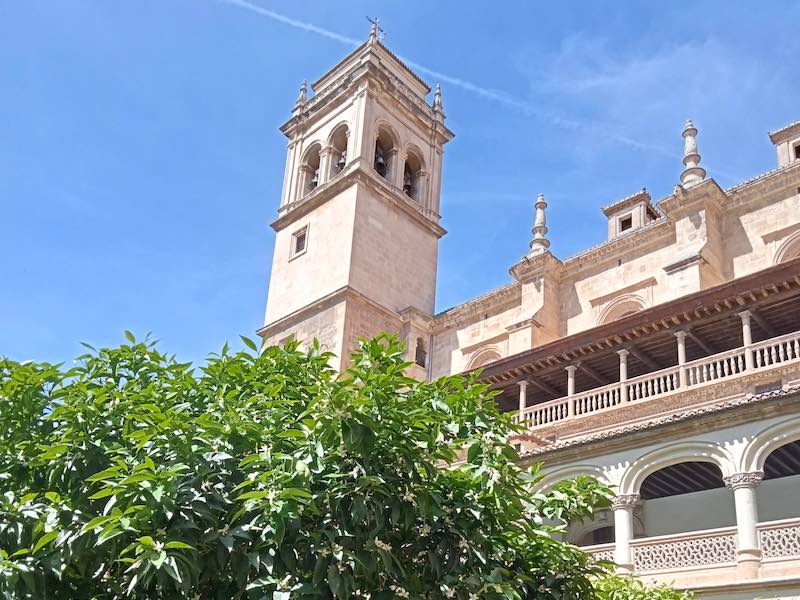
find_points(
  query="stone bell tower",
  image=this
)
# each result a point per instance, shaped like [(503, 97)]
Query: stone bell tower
[(358, 224)]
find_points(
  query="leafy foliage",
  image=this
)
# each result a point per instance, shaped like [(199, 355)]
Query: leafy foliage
[(271, 476), (629, 588)]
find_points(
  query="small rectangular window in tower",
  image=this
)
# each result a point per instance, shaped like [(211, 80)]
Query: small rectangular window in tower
[(299, 242), (625, 223), (797, 151)]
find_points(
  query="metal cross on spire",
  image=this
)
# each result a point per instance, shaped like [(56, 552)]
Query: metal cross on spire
[(377, 32)]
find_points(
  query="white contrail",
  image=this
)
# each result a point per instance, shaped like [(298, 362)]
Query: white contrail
[(292, 22), (491, 94)]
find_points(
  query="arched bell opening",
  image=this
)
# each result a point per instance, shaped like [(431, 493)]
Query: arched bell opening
[(309, 170), (412, 177), (385, 151), (338, 145)]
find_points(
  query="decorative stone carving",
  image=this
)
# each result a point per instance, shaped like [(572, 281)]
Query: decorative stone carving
[(738, 480), (683, 553), (780, 541), (625, 501)]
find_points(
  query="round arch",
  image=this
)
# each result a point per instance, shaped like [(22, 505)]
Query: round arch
[(483, 357), (553, 477), (633, 477), (341, 127), (789, 248), (767, 441), (621, 306), (383, 126)]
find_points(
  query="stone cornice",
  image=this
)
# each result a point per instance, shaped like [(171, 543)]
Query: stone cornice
[(356, 173), (497, 299), (785, 133), (776, 180), (639, 285), (641, 196), (326, 301), (649, 236), (540, 265), (684, 201)]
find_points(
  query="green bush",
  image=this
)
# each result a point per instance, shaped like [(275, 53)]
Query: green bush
[(132, 475)]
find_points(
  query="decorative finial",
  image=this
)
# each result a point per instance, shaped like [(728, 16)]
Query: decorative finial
[(437, 99), (302, 98), (376, 32), (692, 172), (539, 243)]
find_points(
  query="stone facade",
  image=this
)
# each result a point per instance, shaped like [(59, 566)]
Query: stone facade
[(629, 358)]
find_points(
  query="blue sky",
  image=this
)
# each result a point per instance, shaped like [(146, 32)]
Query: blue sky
[(140, 158)]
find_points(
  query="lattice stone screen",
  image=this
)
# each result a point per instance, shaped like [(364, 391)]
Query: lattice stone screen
[(707, 549), (780, 541)]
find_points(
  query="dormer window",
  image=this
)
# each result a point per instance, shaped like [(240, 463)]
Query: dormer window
[(625, 223)]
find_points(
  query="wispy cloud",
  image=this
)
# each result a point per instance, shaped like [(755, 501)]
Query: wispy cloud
[(526, 107)]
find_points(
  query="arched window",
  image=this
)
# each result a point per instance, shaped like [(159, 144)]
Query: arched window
[(483, 357), (789, 249), (420, 354), (621, 307), (385, 150), (309, 170), (412, 177), (338, 144)]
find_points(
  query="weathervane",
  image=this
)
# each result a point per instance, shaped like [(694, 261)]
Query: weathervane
[(377, 32)]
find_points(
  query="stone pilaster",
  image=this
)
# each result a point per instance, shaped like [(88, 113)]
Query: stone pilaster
[(748, 549)]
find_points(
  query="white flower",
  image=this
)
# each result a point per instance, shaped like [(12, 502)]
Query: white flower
[(380, 545), (408, 497)]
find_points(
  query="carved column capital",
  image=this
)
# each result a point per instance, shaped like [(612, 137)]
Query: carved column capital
[(628, 501), (739, 480)]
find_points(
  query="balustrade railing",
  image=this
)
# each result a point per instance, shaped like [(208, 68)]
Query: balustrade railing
[(780, 539), (732, 363), (776, 350), (653, 384), (714, 367), (600, 551), (694, 549)]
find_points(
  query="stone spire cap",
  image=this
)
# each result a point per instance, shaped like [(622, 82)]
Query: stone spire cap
[(302, 98), (692, 172), (539, 243), (437, 98)]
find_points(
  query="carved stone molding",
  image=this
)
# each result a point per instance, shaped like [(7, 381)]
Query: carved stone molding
[(738, 480), (625, 501)]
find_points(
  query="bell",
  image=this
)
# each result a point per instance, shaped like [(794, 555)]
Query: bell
[(342, 160), (408, 186), (314, 180)]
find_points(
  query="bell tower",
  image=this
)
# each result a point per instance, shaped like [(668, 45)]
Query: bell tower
[(357, 232)]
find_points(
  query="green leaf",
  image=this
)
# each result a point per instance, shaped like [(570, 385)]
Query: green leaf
[(175, 545), (129, 336), (249, 343), (44, 540)]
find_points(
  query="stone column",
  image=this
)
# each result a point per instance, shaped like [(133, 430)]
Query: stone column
[(748, 550), (570, 388), (394, 168), (623, 507), (304, 175), (623, 375), (747, 339), (681, 337), (523, 398), (326, 164)]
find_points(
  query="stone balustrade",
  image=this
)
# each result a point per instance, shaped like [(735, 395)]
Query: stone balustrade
[(759, 356)]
